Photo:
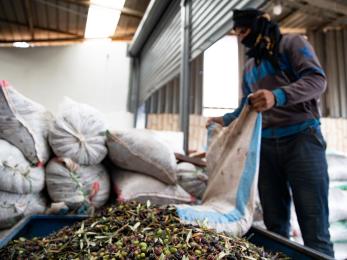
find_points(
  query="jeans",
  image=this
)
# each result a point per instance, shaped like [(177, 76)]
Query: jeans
[(296, 167)]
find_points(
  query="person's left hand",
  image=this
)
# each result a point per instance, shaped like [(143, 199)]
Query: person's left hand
[(262, 100)]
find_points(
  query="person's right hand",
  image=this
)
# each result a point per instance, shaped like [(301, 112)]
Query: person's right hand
[(211, 120)]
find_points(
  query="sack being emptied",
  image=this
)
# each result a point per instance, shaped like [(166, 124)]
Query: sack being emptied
[(228, 203)]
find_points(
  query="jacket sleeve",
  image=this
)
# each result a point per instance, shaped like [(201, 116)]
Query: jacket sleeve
[(311, 80), (229, 117)]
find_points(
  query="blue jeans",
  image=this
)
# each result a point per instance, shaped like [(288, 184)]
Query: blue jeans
[(296, 165)]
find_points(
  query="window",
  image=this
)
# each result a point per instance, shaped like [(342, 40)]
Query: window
[(221, 77)]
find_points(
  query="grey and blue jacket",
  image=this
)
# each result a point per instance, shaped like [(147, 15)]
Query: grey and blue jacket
[(297, 88)]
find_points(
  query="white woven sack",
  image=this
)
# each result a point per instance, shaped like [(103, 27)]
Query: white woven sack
[(138, 151), (136, 186), (13, 207), (24, 124), (337, 204), (16, 173), (337, 166), (228, 203), (75, 185), (192, 179), (78, 133)]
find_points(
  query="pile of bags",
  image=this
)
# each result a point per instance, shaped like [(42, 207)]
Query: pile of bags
[(65, 155), (24, 149), (337, 205), (145, 168), (337, 202), (76, 176)]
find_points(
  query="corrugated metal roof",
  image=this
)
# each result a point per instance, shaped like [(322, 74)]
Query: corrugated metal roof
[(38, 20), (309, 14), (51, 22), (131, 16)]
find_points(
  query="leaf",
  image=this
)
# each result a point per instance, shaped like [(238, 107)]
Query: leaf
[(162, 257), (93, 225), (146, 229), (101, 237), (133, 228), (148, 203), (189, 236), (221, 255)]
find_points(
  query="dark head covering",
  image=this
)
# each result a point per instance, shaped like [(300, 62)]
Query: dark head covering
[(246, 17), (264, 38)]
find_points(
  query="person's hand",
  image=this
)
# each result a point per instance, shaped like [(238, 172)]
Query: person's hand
[(262, 100), (211, 120)]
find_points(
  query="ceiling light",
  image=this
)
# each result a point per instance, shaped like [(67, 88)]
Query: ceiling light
[(103, 17), (277, 9), (21, 44)]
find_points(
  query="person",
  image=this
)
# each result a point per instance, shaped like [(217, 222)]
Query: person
[(283, 79)]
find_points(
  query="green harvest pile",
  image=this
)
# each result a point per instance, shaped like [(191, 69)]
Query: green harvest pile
[(135, 231)]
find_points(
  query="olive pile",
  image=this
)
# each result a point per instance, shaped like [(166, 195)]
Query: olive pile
[(135, 231)]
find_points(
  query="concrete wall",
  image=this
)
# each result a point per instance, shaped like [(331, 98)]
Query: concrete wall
[(92, 73)]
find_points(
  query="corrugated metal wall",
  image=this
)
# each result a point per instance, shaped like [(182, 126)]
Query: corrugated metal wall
[(166, 99), (331, 48), (160, 57), (213, 19)]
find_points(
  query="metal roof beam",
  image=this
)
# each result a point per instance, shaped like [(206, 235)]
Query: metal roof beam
[(79, 39), (124, 10), (328, 5), (29, 14), (38, 27)]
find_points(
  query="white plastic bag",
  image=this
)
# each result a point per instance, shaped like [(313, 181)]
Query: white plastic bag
[(136, 186), (16, 173), (78, 133), (14, 207), (232, 162), (76, 185), (337, 204), (337, 166), (138, 151), (24, 124), (338, 231)]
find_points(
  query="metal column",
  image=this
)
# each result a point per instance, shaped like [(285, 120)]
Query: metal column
[(136, 85), (185, 72)]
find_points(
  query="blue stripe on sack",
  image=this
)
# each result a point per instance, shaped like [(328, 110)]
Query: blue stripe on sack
[(243, 192), (252, 162)]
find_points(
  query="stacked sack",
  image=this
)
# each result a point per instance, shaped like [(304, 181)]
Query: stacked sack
[(193, 179), (145, 168), (77, 177), (23, 151), (337, 205), (337, 202)]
